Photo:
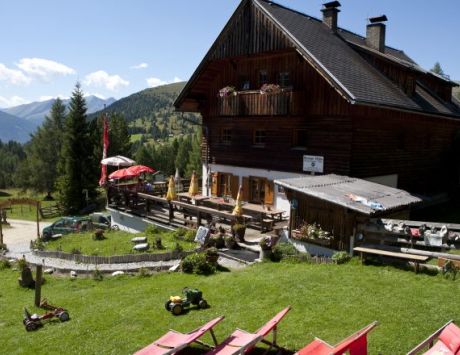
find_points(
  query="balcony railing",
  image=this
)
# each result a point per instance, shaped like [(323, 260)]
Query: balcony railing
[(253, 103)]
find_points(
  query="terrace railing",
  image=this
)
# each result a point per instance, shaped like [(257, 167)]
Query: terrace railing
[(253, 103)]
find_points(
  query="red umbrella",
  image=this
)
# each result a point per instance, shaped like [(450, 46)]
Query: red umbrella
[(121, 174), (130, 172), (136, 170)]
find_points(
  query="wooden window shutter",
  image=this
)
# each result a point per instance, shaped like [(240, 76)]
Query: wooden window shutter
[(269, 187), (234, 185), (245, 189), (215, 184)]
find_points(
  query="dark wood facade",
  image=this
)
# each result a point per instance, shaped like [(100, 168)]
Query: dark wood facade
[(311, 116)]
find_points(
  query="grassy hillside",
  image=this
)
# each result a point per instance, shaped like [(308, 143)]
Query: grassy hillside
[(151, 113)]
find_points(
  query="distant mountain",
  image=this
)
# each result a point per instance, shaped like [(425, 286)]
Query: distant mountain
[(35, 112), (14, 128)]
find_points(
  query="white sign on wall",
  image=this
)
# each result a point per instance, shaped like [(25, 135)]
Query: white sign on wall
[(313, 164)]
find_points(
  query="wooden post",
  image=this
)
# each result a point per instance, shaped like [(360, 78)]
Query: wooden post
[(38, 285), (1, 228), (38, 220), (352, 241), (171, 211), (198, 218)]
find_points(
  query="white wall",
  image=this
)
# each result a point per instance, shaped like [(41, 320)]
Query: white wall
[(280, 200)]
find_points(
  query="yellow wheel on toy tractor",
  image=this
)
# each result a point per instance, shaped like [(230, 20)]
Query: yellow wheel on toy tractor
[(177, 309)]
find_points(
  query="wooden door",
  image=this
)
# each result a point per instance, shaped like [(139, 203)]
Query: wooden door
[(269, 192)]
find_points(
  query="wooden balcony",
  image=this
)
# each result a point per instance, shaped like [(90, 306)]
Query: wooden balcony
[(253, 103)]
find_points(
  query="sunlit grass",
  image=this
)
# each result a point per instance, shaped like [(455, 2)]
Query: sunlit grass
[(122, 315)]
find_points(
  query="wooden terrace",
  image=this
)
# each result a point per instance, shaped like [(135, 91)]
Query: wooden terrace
[(191, 212)]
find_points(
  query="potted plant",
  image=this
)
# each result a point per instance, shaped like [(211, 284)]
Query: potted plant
[(230, 242), (212, 254), (238, 230), (227, 91), (265, 244)]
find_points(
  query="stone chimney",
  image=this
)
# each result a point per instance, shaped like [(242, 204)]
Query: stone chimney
[(330, 13), (375, 33)]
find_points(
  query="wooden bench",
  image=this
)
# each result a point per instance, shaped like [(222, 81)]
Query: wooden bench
[(417, 259)]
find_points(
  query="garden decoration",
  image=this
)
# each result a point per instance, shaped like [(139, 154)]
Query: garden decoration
[(26, 280), (193, 189), (34, 321), (171, 194), (192, 296), (227, 91), (270, 89)]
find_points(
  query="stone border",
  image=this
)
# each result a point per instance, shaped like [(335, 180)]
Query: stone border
[(117, 259)]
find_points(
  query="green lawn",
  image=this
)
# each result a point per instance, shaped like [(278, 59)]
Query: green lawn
[(116, 243), (24, 212), (121, 315)]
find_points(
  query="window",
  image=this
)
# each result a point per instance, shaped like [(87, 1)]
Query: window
[(263, 77), (284, 79), (244, 83), (226, 136), (300, 139), (257, 190), (225, 181), (260, 137)]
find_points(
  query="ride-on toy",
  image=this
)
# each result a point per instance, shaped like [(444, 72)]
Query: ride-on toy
[(192, 296), (34, 321)]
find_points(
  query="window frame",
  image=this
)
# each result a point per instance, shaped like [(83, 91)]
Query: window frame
[(256, 138)]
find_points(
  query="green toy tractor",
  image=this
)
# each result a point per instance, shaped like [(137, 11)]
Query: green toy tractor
[(192, 296)]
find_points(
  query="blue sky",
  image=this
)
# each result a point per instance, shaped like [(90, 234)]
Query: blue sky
[(118, 47)]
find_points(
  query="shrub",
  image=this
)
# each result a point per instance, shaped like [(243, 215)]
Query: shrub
[(3, 247), (98, 234), (217, 241), (197, 263), (22, 264), (143, 272), (449, 270), (152, 230), (37, 244), (178, 248), (284, 250), (4, 264), (97, 275), (179, 233), (341, 257), (158, 243), (190, 235), (75, 251)]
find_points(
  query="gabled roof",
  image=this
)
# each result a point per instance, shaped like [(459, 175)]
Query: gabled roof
[(356, 194), (334, 55)]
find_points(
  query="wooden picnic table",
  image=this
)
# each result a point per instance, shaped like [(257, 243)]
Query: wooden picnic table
[(185, 197)]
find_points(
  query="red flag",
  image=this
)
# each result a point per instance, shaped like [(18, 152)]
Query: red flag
[(105, 139)]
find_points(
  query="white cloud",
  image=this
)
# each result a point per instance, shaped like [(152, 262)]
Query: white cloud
[(153, 82), (140, 66), (13, 76), (12, 101), (44, 69), (102, 79)]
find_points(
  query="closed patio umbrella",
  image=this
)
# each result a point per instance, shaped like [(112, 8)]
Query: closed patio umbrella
[(193, 189), (171, 194), (238, 210)]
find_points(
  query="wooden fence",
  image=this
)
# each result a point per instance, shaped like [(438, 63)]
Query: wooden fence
[(118, 259)]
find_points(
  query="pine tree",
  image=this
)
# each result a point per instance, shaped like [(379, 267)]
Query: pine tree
[(194, 161), (77, 175), (437, 69), (44, 149)]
